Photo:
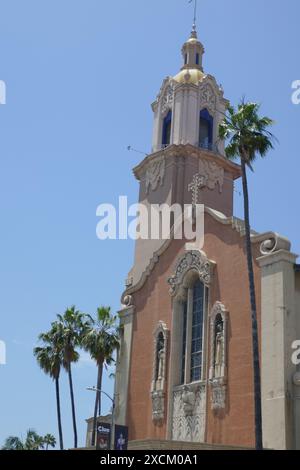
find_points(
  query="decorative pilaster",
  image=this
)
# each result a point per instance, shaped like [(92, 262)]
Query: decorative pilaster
[(278, 320)]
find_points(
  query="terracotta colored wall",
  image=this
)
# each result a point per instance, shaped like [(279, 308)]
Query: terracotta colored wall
[(153, 303)]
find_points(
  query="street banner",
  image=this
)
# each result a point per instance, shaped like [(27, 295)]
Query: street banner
[(103, 436), (121, 437)]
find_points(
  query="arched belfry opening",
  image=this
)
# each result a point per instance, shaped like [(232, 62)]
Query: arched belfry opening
[(167, 126), (206, 130)]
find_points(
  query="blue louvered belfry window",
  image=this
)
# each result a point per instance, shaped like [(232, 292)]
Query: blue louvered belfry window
[(167, 125), (206, 130)]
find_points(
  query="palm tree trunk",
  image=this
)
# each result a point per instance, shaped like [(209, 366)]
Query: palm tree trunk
[(73, 406), (97, 401), (59, 414), (255, 344), (100, 373)]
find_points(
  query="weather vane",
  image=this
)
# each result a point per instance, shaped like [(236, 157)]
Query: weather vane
[(195, 12)]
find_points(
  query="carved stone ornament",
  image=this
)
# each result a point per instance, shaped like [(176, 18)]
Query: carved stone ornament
[(208, 97), (155, 173), (189, 408), (212, 174), (128, 300), (158, 384), (274, 243), (167, 99), (218, 395), (158, 406), (190, 260), (218, 355)]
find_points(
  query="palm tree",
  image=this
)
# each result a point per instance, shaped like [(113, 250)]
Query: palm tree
[(249, 137), (49, 441), (101, 340), (33, 441), (50, 360), (70, 329), (13, 443)]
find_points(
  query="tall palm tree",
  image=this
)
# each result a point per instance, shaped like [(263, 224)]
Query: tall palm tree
[(249, 137), (50, 359), (49, 441), (70, 329), (101, 340)]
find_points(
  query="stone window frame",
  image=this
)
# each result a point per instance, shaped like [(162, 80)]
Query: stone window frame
[(218, 385), (192, 265), (158, 387), (218, 309), (160, 329)]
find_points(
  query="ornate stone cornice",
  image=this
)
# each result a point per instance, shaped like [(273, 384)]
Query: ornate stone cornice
[(188, 150)]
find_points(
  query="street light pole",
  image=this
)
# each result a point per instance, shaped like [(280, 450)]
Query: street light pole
[(112, 434)]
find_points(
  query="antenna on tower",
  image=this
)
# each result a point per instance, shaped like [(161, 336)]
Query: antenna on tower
[(131, 149)]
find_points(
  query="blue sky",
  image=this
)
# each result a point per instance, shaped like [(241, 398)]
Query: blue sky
[(80, 77)]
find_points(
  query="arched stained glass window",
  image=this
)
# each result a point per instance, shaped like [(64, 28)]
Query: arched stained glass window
[(193, 324), (197, 331)]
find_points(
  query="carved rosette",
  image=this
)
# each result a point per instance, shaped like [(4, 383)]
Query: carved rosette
[(191, 260), (218, 372), (188, 422), (155, 173)]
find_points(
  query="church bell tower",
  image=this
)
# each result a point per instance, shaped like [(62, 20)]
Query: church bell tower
[(186, 147)]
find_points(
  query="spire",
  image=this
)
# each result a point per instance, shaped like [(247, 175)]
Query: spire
[(194, 29), (193, 50)]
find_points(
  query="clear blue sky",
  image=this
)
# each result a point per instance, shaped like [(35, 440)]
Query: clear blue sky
[(80, 76)]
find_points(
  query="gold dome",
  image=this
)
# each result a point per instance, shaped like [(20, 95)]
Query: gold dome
[(189, 76)]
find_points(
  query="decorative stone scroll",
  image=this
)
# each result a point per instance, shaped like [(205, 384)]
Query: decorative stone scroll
[(212, 174), (188, 420), (155, 173), (218, 355), (274, 243), (158, 385), (191, 260)]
